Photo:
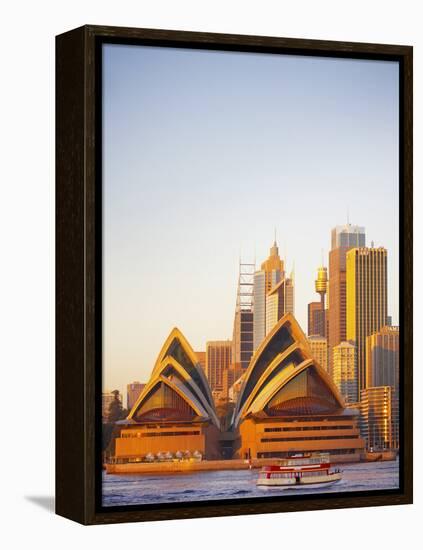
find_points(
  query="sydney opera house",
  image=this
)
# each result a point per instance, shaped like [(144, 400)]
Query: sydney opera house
[(287, 404), (175, 412)]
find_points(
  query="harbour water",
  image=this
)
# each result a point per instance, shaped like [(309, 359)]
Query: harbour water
[(124, 490)]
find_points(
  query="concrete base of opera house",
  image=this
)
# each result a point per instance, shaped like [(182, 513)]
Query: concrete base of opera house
[(186, 466)]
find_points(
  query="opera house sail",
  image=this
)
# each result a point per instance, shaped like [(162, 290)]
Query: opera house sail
[(174, 414), (288, 403)]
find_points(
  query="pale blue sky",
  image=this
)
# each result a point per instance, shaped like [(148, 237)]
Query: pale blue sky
[(205, 153)]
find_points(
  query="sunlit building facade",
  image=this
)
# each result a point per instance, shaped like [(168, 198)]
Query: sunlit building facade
[(279, 300), (288, 403), (319, 350), (315, 318), (175, 411), (271, 272), (218, 358), (367, 299), (380, 418), (382, 351), (344, 372)]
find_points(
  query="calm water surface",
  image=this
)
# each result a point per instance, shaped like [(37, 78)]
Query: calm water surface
[(121, 490)]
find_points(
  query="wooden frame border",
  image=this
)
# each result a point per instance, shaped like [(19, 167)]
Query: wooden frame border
[(77, 244)]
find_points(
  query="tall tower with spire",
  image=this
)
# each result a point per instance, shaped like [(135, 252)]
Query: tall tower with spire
[(270, 276), (317, 310), (272, 265), (321, 284)]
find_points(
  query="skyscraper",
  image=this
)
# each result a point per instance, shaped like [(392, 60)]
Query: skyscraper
[(345, 371), (279, 300), (366, 275), (218, 358), (313, 314), (382, 358), (242, 336), (319, 350), (271, 273), (344, 237), (348, 236)]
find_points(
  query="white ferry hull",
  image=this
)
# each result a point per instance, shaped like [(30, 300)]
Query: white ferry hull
[(292, 482)]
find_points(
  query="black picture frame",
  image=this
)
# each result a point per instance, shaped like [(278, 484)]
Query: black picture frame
[(78, 272)]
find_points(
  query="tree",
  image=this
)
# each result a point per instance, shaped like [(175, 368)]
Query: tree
[(110, 430), (116, 411)]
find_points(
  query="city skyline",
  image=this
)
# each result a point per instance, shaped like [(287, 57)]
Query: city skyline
[(303, 324), (172, 246)]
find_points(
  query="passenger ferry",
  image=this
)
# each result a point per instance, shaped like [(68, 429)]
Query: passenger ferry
[(300, 469)]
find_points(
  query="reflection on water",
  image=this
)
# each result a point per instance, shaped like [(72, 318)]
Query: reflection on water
[(121, 490)]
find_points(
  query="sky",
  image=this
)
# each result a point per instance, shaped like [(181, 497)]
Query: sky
[(205, 154)]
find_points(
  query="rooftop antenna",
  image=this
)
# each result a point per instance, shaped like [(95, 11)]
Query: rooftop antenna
[(275, 234)]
